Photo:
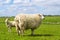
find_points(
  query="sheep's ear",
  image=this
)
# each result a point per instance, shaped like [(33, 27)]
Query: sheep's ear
[(39, 15), (7, 19)]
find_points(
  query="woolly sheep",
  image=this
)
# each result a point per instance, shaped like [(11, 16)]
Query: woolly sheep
[(9, 24), (28, 21)]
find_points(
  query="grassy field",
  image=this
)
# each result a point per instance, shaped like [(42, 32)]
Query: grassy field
[(46, 31)]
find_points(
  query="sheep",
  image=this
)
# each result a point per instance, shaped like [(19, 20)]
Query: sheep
[(28, 21), (9, 24)]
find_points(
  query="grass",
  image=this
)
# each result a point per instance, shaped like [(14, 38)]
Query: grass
[(44, 32)]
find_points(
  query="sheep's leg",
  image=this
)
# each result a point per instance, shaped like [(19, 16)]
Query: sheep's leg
[(17, 29), (22, 30), (9, 29), (32, 31), (21, 26)]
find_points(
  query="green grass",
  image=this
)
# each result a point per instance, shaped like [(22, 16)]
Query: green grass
[(52, 19), (44, 32)]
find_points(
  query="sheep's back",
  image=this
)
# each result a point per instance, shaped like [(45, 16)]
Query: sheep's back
[(29, 20)]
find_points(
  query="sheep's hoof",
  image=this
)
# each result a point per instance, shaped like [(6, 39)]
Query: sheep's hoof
[(32, 34), (18, 34)]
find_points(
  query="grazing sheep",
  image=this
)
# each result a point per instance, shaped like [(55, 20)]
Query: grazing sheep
[(28, 21), (9, 24)]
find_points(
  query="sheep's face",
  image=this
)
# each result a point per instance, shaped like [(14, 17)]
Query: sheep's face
[(41, 15)]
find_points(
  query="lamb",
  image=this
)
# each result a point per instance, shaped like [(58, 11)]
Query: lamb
[(28, 21), (9, 24)]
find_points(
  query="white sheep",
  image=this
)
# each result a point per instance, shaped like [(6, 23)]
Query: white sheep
[(9, 24), (28, 21)]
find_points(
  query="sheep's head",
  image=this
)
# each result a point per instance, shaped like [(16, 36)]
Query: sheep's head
[(41, 15)]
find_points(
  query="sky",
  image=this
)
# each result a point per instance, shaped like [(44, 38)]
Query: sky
[(14, 7)]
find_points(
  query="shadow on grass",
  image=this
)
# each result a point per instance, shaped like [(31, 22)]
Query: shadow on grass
[(40, 35), (37, 35)]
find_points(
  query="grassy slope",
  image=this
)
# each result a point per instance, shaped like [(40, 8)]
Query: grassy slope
[(44, 32)]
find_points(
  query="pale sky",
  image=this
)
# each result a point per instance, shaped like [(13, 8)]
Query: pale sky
[(14, 7)]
